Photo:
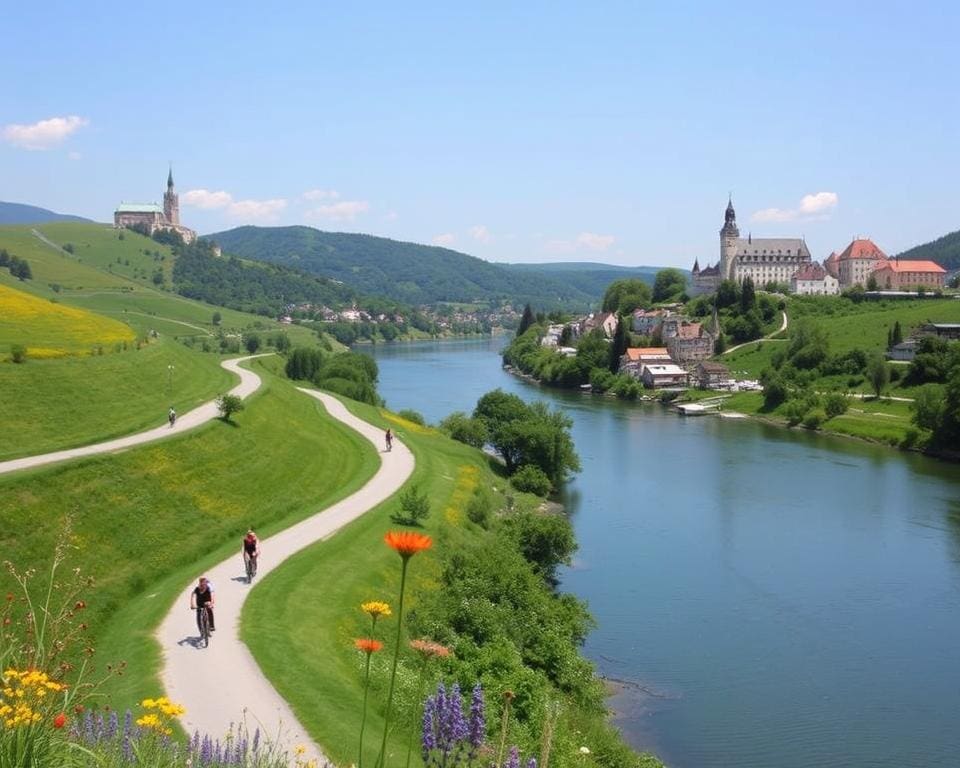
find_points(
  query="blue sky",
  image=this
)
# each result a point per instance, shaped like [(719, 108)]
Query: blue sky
[(515, 132)]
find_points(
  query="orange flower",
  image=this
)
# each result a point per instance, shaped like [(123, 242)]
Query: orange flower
[(407, 543), (60, 720), (429, 649), (367, 645)]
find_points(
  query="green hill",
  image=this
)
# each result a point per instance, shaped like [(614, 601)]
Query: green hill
[(405, 272), (589, 277), (18, 213), (944, 250)]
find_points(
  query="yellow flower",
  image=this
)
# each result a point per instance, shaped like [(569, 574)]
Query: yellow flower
[(375, 608), (300, 750)]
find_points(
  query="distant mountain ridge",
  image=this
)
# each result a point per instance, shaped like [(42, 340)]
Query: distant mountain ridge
[(421, 274), (945, 251), (20, 213)]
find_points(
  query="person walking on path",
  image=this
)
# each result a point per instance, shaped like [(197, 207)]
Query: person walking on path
[(172, 416), (389, 437)]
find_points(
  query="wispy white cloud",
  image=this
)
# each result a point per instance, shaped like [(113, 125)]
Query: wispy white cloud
[(257, 210), (321, 194), (345, 210), (814, 206), (480, 233), (207, 200), (249, 210), (446, 239), (594, 242), (44, 134)]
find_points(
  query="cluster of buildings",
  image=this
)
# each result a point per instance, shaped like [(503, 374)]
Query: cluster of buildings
[(788, 261), (152, 218), (907, 349)]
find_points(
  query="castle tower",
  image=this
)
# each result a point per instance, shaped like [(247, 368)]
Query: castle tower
[(728, 243), (171, 202)]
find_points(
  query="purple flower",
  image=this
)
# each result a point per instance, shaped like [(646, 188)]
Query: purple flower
[(428, 739), (532, 762), (478, 723), (113, 723), (513, 761)]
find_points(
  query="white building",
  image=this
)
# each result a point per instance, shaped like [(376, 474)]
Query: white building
[(814, 280)]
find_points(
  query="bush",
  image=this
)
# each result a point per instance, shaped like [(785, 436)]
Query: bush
[(814, 418), (794, 412), (775, 392), (252, 342), (464, 429), (480, 508), (18, 353), (531, 479), (228, 405), (414, 507), (408, 414), (835, 404)]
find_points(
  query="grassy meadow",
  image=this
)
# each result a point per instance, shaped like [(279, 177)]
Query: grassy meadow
[(146, 521), (54, 404)]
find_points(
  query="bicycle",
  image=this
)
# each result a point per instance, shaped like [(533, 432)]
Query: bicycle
[(203, 620), (251, 563)]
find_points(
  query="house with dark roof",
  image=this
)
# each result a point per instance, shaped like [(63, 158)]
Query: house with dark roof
[(814, 280)]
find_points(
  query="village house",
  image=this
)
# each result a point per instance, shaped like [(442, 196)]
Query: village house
[(711, 375), (904, 351), (604, 321), (948, 331), (658, 375), (688, 341), (899, 275), (647, 321), (814, 280), (635, 358)]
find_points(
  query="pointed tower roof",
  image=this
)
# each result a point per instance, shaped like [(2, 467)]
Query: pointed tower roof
[(170, 178), (696, 265)]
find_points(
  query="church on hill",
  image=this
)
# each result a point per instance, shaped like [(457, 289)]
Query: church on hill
[(764, 259), (152, 218)]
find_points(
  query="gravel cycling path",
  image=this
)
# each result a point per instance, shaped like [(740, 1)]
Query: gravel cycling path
[(222, 684), (249, 383)]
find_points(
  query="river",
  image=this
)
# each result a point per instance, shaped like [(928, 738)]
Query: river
[(772, 598)]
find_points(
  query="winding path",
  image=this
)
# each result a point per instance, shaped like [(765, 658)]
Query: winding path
[(220, 684), (249, 383), (781, 329)]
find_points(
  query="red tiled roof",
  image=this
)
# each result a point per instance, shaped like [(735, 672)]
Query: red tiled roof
[(896, 265), (635, 353), (863, 248), (689, 331), (811, 272)]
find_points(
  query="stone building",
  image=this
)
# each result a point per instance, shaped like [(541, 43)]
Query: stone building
[(764, 259), (899, 275), (152, 217), (858, 261)]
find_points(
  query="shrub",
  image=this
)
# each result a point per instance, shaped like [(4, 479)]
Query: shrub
[(835, 404), (464, 429), (814, 418), (794, 412), (414, 507), (531, 479), (18, 353), (228, 405), (480, 508), (774, 392), (408, 414), (252, 342)]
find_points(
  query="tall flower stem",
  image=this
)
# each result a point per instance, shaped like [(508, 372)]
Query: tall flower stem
[(504, 722), (381, 760), (363, 719)]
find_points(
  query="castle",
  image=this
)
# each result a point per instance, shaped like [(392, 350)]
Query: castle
[(764, 259), (151, 217)]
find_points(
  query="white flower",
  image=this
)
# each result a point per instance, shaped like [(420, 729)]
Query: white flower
[(584, 750)]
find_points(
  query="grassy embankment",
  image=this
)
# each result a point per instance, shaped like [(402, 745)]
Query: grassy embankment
[(76, 395), (849, 326), (300, 622), (147, 520)]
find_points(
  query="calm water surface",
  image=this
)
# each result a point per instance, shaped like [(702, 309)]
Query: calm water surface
[(773, 599)]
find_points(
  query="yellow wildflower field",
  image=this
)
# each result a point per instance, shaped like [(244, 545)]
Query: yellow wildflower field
[(467, 477), (50, 330)]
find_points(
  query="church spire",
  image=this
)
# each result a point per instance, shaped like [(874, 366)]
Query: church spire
[(170, 178)]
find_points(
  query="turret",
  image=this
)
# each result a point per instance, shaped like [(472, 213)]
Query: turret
[(728, 243), (171, 202)]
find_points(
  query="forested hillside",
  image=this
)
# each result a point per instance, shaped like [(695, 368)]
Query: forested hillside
[(588, 277), (405, 272), (944, 250)]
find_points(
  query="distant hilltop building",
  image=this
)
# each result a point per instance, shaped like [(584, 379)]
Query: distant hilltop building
[(151, 217), (764, 259)]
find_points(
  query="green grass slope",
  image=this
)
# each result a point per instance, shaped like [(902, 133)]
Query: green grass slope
[(406, 272), (147, 519)]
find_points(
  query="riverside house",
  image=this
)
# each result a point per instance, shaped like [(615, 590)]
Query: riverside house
[(711, 375), (635, 358), (664, 375)]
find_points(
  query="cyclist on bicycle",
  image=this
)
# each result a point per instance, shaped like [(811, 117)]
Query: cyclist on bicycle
[(200, 598), (171, 416), (250, 549)]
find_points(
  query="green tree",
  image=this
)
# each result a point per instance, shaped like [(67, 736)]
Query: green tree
[(928, 407), (728, 294), (626, 295), (216, 318), (878, 374), (304, 363), (526, 320), (545, 540), (897, 334), (619, 344), (414, 507), (668, 284), (228, 405), (252, 342), (748, 295), (465, 429), (872, 283)]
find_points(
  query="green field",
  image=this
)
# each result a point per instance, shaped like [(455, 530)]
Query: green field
[(55, 404), (147, 519)]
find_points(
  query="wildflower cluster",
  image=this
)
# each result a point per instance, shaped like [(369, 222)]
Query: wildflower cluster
[(449, 739), (159, 715), (24, 697)]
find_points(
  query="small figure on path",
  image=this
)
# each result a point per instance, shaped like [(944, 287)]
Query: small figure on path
[(171, 416), (250, 549), (202, 598), (389, 437)]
